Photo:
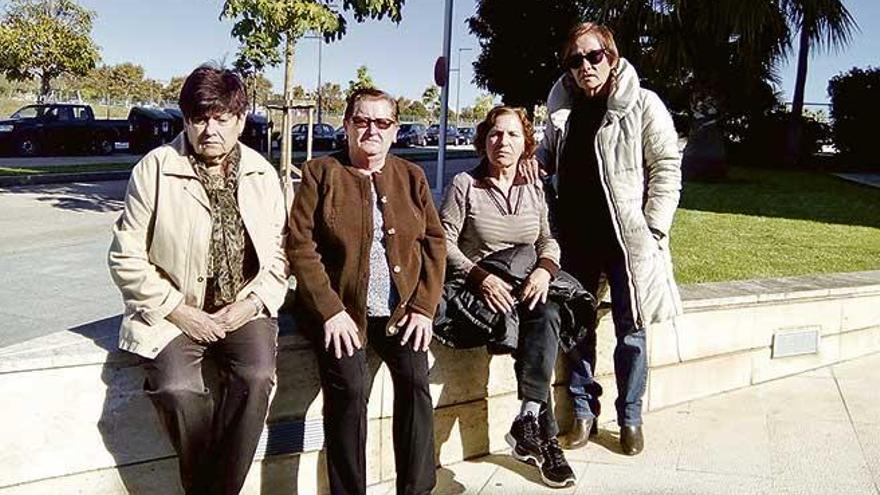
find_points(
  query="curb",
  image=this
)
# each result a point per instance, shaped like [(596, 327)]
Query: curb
[(40, 179)]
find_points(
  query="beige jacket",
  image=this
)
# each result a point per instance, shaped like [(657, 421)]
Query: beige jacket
[(158, 257), (640, 168)]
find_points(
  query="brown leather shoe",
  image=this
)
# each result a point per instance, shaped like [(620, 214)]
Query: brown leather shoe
[(581, 432), (631, 440)]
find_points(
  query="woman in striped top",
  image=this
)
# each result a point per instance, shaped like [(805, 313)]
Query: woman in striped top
[(491, 208)]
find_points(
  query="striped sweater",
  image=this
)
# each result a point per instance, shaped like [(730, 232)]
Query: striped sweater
[(479, 220)]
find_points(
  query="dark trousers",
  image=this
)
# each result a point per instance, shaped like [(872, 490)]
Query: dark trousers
[(345, 414), (630, 352), (215, 443), (535, 359)]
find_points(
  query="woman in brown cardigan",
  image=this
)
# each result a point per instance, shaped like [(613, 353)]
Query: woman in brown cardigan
[(369, 254)]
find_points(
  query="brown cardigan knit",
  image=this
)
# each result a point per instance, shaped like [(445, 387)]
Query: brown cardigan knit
[(331, 227)]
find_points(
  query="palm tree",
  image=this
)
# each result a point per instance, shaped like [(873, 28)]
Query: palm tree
[(720, 54), (826, 24)]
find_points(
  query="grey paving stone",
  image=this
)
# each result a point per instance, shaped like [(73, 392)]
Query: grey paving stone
[(613, 480), (515, 477), (869, 439), (817, 457), (726, 444)]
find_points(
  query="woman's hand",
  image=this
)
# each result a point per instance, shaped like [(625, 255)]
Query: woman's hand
[(233, 316), (196, 324), (531, 170), (497, 294), (536, 287), (417, 326), (341, 331)]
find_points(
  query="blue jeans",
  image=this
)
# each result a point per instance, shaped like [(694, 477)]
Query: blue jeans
[(630, 353)]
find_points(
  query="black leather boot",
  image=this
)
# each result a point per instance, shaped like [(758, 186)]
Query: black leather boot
[(631, 439), (581, 432)]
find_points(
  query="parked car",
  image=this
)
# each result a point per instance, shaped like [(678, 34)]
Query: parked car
[(411, 134), (466, 135), (256, 128), (539, 133), (432, 135), (176, 119), (341, 138), (323, 136), (61, 128), (149, 128)]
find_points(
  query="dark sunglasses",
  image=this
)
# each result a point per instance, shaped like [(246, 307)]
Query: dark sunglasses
[(364, 122), (576, 60)]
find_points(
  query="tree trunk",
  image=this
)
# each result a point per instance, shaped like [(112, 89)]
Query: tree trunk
[(45, 87), (797, 101), (287, 123), (794, 134)]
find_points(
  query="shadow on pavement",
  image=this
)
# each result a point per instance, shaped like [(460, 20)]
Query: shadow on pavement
[(78, 196)]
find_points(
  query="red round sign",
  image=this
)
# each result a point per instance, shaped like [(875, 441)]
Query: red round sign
[(440, 71)]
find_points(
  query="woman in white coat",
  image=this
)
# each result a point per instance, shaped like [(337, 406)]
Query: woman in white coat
[(613, 149)]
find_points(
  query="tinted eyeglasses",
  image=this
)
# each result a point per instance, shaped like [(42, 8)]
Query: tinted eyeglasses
[(594, 57), (364, 122)]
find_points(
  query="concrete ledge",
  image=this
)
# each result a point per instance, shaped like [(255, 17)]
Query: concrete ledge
[(75, 418)]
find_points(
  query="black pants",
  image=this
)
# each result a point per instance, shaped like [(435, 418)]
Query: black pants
[(215, 444), (345, 414), (535, 359)]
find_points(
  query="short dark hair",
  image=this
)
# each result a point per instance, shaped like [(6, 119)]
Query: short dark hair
[(602, 33), (211, 90), (488, 123), (369, 94)]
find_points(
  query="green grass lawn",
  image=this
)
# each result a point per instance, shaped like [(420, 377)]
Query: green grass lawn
[(769, 223), (67, 169)]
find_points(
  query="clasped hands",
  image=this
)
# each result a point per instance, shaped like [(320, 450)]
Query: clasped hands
[(206, 327), (498, 294)]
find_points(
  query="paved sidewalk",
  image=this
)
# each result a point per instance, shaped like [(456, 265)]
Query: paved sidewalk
[(815, 433)]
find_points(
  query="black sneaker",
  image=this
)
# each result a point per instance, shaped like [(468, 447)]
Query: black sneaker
[(525, 439), (555, 470)]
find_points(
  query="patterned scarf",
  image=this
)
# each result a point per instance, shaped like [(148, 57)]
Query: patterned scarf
[(228, 237)]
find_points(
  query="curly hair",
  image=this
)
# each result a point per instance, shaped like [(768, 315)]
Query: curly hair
[(486, 125)]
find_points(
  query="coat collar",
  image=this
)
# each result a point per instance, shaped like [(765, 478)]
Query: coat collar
[(178, 163), (621, 100)]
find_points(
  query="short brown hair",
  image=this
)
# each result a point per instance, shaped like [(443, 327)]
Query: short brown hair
[(212, 90), (369, 94), (602, 33), (486, 125)]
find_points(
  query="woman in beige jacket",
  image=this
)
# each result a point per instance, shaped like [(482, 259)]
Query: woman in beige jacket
[(199, 258)]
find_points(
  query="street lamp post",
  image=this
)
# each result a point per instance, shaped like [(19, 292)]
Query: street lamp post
[(318, 91), (458, 88), (320, 106)]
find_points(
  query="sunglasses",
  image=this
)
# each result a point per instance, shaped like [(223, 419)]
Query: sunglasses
[(594, 57), (364, 122)]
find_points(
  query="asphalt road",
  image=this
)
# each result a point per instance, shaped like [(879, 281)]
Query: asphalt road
[(53, 161), (53, 248)]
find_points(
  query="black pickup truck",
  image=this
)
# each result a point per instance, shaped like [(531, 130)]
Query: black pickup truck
[(61, 128)]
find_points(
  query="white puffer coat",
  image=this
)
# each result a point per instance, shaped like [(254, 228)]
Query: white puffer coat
[(640, 171)]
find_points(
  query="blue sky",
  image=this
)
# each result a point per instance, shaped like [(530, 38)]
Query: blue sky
[(171, 37)]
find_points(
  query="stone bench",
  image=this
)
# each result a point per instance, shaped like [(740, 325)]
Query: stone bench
[(74, 417)]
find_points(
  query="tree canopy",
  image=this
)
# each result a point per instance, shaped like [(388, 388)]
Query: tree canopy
[(362, 80), (518, 57), (44, 39), (262, 25)]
